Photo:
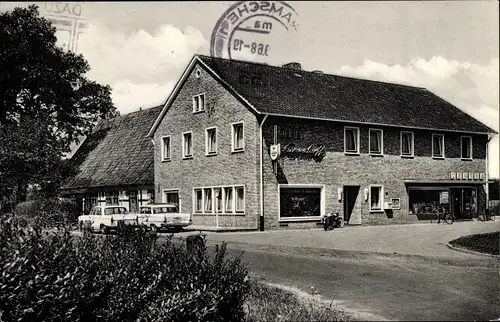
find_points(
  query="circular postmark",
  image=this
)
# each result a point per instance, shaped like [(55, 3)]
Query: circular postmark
[(245, 31)]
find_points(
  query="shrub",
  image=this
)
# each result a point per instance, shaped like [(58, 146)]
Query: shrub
[(47, 213), (55, 276)]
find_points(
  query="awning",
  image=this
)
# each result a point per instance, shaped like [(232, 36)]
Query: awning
[(447, 182)]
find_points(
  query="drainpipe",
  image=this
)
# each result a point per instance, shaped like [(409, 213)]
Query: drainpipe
[(261, 218), (487, 188)]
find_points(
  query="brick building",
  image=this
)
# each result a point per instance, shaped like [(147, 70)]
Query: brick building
[(115, 163), (241, 144)]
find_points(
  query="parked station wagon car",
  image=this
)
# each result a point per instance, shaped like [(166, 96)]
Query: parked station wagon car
[(163, 216), (106, 218)]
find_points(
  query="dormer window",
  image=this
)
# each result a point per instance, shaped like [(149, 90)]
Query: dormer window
[(198, 103)]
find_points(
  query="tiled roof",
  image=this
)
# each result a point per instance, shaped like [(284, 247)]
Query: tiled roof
[(317, 95), (117, 153)]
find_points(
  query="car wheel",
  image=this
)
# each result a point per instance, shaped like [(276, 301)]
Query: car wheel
[(103, 230)]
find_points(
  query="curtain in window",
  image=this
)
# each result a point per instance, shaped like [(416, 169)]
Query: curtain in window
[(208, 200), (375, 142), (202, 102), (229, 199), (466, 153), (218, 199), (351, 140), (212, 140), (187, 145), (240, 199), (238, 136), (438, 146), (375, 198), (406, 148), (166, 148), (198, 194)]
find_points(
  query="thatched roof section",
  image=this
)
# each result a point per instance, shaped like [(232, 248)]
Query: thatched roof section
[(117, 153)]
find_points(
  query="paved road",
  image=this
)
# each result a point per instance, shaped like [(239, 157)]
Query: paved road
[(415, 239), (392, 287), (399, 272)]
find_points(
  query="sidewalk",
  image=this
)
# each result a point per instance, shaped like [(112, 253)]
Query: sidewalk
[(422, 239)]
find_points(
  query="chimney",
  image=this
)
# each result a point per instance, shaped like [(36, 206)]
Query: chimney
[(293, 65)]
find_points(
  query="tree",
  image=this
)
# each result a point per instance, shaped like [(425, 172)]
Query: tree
[(47, 103)]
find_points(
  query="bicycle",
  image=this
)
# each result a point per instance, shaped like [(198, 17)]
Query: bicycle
[(444, 214), (485, 216)]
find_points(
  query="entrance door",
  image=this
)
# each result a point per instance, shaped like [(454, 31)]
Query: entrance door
[(133, 202), (350, 197), (172, 197)]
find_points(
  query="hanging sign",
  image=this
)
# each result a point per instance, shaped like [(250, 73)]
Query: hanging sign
[(275, 151)]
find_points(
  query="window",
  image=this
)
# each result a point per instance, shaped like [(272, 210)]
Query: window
[(208, 199), (437, 145), (375, 142), (351, 140), (112, 198), (218, 199), (172, 197), (238, 141), (165, 148), (376, 198), (228, 202), (407, 144), (187, 145), (240, 199), (300, 202), (225, 199), (466, 147), (198, 202), (211, 141), (198, 103)]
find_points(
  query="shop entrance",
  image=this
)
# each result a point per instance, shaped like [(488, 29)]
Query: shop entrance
[(425, 200), (350, 196), (464, 203)]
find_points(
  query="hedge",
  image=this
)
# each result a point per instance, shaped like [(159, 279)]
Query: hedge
[(55, 276), (47, 213)]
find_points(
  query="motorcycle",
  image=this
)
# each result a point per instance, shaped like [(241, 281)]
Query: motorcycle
[(332, 220)]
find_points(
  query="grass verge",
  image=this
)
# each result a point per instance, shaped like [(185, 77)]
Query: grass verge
[(483, 243), (272, 302)]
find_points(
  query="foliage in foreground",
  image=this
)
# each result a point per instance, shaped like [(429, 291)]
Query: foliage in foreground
[(484, 243), (47, 213), (269, 303), (54, 276)]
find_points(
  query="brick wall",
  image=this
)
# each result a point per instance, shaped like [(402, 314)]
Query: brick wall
[(337, 169), (225, 168)]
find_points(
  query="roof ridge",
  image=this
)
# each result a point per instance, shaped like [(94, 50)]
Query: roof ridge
[(312, 72)]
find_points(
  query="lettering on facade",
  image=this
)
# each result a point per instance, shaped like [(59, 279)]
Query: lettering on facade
[(313, 151), (467, 175)]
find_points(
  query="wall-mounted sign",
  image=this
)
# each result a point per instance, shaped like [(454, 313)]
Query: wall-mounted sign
[(443, 197), (290, 133), (467, 175), (313, 150), (396, 203), (275, 151)]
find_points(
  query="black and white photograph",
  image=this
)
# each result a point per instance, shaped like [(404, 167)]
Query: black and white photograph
[(249, 161)]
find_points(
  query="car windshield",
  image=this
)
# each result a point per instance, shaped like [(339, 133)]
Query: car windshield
[(166, 209), (115, 211), (145, 210)]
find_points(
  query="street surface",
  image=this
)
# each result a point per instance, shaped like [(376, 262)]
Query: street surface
[(389, 276)]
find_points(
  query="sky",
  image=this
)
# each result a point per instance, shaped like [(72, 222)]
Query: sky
[(452, 48)]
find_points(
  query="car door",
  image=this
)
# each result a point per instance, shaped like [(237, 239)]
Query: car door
[(96, 218)]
